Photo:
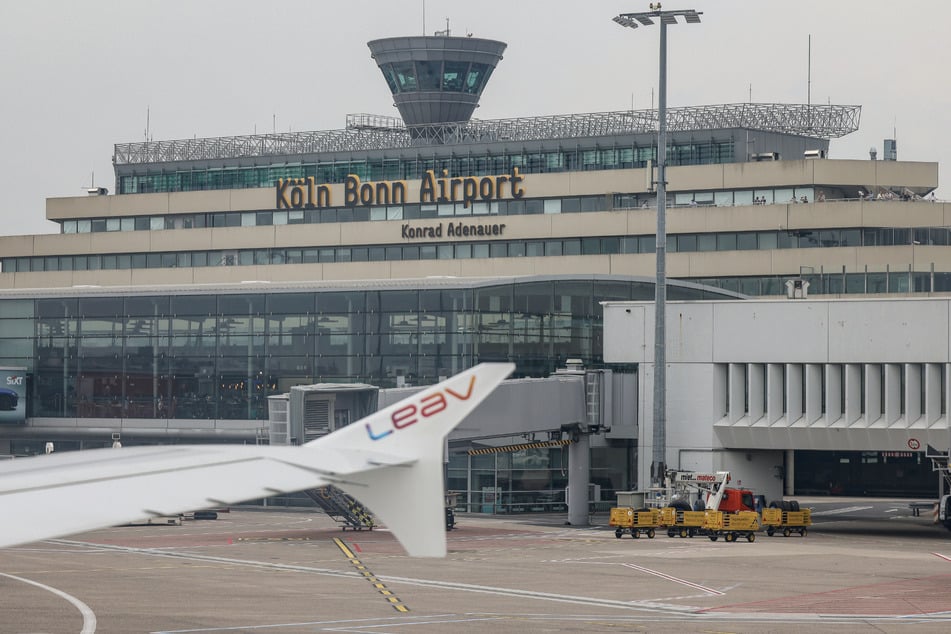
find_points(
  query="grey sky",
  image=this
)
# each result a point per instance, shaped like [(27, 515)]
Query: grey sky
[(78, 77)]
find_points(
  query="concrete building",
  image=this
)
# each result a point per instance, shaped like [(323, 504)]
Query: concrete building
[(805, 396), (398, 250)]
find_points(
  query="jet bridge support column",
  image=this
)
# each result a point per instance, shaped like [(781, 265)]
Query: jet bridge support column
[(579, 473), (790, 484)]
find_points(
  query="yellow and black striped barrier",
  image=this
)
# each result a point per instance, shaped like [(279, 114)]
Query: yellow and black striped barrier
[(529, 445)]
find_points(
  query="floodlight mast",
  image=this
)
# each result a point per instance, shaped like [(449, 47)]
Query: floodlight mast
[(632, 21)]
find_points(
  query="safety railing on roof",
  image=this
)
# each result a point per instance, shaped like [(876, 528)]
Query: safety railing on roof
[(376, 132)]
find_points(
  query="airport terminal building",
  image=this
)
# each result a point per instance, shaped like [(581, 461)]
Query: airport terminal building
[(398, 250)]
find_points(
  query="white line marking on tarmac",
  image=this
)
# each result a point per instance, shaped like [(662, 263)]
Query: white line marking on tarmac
[(659, 611), (946, 558), (349, 625), (662, 575), (89, 617), (357, 626), (427, 583), (847, 509)]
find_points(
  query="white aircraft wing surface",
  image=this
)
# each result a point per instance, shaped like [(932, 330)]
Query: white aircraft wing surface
[(391, 461)]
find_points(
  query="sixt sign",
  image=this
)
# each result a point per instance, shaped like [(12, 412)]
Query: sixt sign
[(12, 395), (425, 407)]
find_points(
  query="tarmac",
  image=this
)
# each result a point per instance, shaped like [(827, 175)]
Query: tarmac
[(865, 565)]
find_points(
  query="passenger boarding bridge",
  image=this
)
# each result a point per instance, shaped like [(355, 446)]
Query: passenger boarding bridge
[(574, 408)]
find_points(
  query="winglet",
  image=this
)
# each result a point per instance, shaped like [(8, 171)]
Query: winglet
[(409, 499)]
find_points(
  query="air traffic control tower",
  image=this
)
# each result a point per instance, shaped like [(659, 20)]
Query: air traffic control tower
[(435, 79)]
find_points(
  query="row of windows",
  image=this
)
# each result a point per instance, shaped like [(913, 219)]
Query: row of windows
[(531, 206), (578, 297), (530, 479), (429, 75), (609, 245), (220, 356), (414, 168), (835, 283)]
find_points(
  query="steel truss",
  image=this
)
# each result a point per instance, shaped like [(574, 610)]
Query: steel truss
[(374, 132)]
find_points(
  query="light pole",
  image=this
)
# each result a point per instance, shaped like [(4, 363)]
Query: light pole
[(632, 20)]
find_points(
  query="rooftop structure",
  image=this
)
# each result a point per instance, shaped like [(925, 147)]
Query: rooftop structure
[(436, 80), (225, 270), (374, 132)]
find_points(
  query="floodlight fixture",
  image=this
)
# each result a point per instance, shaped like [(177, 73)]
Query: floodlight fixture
[(625, 21)]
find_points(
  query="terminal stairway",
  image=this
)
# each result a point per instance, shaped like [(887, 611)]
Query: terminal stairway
[(345, 510)]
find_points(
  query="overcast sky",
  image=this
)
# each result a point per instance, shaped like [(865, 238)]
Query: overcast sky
[(78, 77)]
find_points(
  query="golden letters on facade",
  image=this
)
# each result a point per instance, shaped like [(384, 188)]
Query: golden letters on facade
[(306, 193)]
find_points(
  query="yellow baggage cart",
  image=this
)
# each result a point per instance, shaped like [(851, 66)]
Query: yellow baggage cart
[(681, 522), (731, 526), (788, 522), (626, 519)]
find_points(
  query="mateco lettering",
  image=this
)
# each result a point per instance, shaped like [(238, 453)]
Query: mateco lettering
[(689, 476), (429, 405)]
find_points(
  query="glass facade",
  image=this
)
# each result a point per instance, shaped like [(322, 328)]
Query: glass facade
[(526, 207), (832, 282), (864, 473), (523, 207), (218, 356), (563, 159), (532, 480), (836, 283), (428, 75)]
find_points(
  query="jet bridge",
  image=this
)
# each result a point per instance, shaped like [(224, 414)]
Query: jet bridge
[(574, 407)]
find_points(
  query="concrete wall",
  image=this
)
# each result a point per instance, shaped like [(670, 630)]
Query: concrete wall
[(874, 374), (895, 330)]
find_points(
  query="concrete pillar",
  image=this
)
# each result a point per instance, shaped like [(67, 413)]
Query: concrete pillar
[(579, 474), (790, 482)]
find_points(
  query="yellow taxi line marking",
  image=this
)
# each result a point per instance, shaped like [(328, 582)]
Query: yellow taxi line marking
[(369, 576)]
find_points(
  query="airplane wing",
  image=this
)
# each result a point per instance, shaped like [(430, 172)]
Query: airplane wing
[(391, 461)]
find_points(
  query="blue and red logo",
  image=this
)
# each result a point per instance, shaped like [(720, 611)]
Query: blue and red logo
[(427, 406)]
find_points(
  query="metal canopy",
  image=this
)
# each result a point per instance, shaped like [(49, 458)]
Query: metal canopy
[(816, 120)]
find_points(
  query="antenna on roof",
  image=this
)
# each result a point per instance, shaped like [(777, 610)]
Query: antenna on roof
[(148, 117), (424, 18), (809, 81), (92, 190), (809, 73), (445, 33)]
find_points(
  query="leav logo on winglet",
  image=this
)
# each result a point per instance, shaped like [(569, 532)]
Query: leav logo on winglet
[(427, 406)]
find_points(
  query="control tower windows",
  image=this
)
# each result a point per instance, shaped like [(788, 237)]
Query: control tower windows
[(453, 74), (405, 74), (478, 75), (390, 77), (428, 75)]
